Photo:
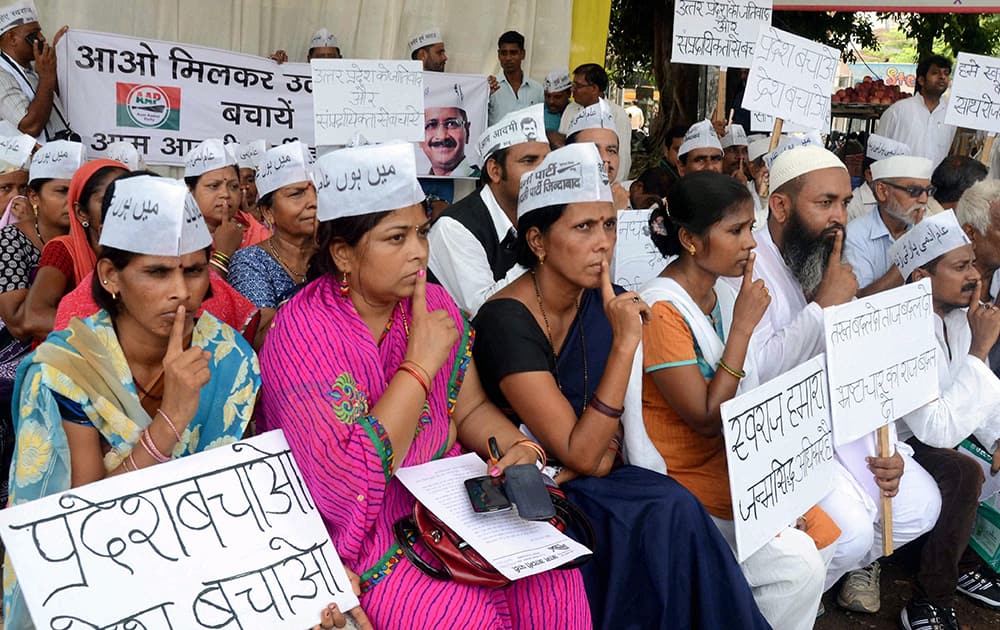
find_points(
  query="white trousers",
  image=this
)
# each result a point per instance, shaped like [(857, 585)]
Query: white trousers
[(855, 504), (785, 575)]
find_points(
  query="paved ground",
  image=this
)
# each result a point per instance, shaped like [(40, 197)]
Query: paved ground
[(897, 573)]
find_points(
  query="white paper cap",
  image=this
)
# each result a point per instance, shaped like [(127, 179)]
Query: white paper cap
[(800, 160), (322, 39), (283, 165), (787, 143), (17, 14), (735, 135), (558, 80), (56, 160), (207, 156), (597, 116), (758, 148), (248, 155), (701, 135), (155, 216), (126, 153), (428, 37), (572, 174), (902, 166), (514, 128), (453, 97), (880, 147), (933, 237), (15, 151), (366, 179)]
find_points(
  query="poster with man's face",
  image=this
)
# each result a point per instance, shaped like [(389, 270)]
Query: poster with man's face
[(455, 107)]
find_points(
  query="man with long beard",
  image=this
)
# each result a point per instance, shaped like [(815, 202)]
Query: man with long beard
[(799, 258), (902, 186)]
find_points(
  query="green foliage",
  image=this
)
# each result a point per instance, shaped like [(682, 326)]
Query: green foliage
[(950, 33)]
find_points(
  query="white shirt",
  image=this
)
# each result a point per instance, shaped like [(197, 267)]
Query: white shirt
[(970, 392), (622, 125), (14, 102), (458, 261), (504, 101), (866, 247), (862, 203), (760, 207), (925, 132)]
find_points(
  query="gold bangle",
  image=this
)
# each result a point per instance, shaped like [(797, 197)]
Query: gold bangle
[(736, 373)]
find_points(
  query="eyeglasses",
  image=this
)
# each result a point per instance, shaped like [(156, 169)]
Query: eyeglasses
[(913, 191)]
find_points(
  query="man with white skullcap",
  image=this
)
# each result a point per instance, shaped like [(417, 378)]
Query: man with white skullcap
[(514, 90), (28, 90), (427, 47), (472, 252), (757, 147), (735, 155), (590, 83), (700, 150), (878, 148), (557, 89), (322, 45), (937, 248), (799, 259), (902, 186), (596, 124)]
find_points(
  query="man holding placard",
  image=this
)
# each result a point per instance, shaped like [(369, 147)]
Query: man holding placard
[(919, 121), (472, 250), (902, 186), (966, 330)]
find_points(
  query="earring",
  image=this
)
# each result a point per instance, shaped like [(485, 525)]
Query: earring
[(691, 250), (541, 259), (85, 224), (34, 207), (104, 281), (344, 287), (114, 296)]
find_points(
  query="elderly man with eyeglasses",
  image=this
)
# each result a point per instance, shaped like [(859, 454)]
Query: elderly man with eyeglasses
[(901, 185)]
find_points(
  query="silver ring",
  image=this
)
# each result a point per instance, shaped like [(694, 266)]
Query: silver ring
[(635, 298)]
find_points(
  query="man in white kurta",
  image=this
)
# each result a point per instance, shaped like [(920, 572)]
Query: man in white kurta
[(798, 257), (918, 121)]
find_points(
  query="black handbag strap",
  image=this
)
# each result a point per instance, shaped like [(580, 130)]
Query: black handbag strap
[(405, 530)]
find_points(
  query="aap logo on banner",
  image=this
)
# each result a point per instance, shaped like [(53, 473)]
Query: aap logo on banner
[(149, 106)]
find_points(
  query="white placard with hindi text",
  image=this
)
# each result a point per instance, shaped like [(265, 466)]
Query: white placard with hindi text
[(718, 32), (635, 259), (381, 99), (229, 537), (779, 453), (515, 547), (881, 357), (975, 93), (791, 78)]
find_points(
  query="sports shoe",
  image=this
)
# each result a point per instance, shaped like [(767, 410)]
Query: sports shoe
[(923, 615), (861, 592), (980, 589)]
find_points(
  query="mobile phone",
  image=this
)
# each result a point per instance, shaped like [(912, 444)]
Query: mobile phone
[(37, 44), (527, 491), (487, 494)]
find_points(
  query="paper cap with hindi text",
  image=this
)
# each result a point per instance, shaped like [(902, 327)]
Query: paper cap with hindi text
[(207, 156), (880, 147), (15, 151), (789, 142), (366, 179), (282, 165), (558, 80), (926, 241), (16, 14), (426, 38), (700, 135), (902, 166), (572, 174), (323, 39), (155, 216), (799, 161), (596, 116), (757, 148), (248, 154), (56, 160), (524, 125), (736, 135), (126, 153)]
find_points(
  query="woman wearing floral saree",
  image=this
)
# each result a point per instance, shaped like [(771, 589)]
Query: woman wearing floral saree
[(368, 368), (140, 382)]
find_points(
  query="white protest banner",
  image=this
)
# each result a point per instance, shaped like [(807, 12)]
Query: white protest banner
[(881, 357), (779, 453), (166, 97), (226, 537), (718, 33), (975, 93), (382, 100), (635, 259), (454, 117), (759, 121), (515, 547), (791, 78)]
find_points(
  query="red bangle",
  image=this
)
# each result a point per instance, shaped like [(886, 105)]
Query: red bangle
[(605, 409), (420, 379)]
